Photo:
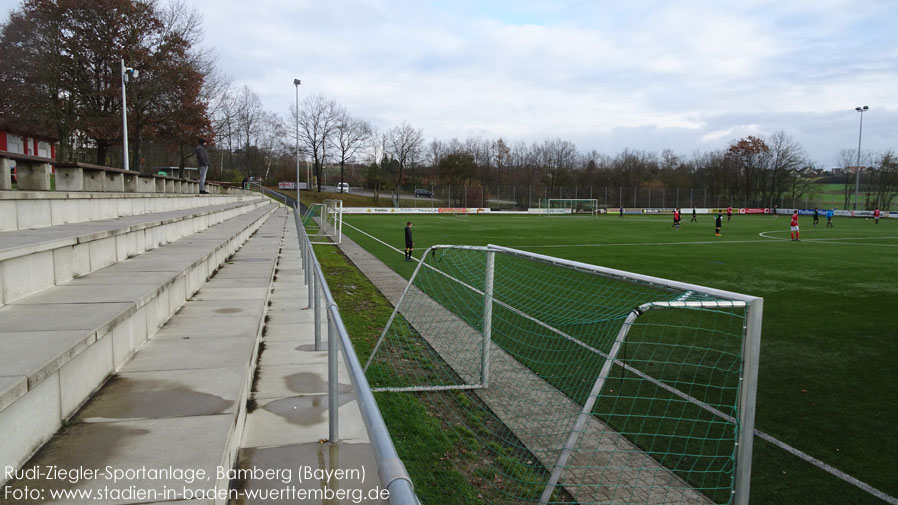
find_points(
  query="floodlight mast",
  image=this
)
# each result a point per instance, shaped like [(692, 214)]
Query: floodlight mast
[(857, 168), (296, 83), (125, 72)]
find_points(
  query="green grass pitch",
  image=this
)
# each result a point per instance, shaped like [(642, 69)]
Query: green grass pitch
[(828, 380)]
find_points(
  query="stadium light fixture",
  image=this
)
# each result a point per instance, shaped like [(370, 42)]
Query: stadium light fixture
[(857, 168), (296, 83), (126, 72)]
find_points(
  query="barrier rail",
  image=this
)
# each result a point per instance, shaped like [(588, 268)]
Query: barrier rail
[(392, 471), (33, 173)]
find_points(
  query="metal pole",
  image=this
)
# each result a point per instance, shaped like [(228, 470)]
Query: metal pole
[(317, 308), (586, 411), (296, 83), (392, 471), (333, 384), (487, 319), (751, 348), (857, 168), (124, 118)]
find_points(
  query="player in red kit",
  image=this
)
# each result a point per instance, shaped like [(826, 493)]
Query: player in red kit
[(729, 213), (794, 225), (876, 215)]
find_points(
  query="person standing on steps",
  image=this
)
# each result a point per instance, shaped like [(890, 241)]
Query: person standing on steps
[(409, 243), (202, 161)]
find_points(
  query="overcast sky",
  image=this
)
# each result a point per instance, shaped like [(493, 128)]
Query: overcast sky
[(641, 74)]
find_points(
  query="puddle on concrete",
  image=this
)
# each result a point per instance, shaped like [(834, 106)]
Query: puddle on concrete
[(228, 310), (286, 464), (311, 347), (125, 398), (82, 446), (308, 382), (303, 410)]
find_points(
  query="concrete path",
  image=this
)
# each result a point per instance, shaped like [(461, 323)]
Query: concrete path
[(604, 467), (285, 456)]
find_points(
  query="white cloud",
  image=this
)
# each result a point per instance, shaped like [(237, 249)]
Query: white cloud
[(647, 74)]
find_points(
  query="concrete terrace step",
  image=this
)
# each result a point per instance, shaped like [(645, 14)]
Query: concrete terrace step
[(33, 260), (23, 210), (180, 401), (58, 346)]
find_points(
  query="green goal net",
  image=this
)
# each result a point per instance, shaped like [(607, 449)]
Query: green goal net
[(570, 383)]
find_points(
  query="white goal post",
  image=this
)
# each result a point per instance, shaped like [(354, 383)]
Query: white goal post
[(576, 205), (325, 222)]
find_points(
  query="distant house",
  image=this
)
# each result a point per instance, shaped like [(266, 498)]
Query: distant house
[(24, 143)]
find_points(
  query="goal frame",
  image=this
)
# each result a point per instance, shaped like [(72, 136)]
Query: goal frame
[(329, 222), (750, 348), (594, 211)]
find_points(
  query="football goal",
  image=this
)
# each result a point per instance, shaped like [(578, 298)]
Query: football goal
[(575, 205), (324, 222), (578, 383)]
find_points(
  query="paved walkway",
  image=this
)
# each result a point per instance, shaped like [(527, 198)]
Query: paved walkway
[(604, 467), (288, 429)]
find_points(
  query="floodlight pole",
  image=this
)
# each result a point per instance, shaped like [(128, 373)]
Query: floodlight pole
[(296, 83), (857, 168), (125, 72)]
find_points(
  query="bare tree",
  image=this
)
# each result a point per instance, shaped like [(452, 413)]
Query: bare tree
[(249, 123), (845, 159), (884, 184), (318, 116), (272, 132), (350, 135), (404, 145)]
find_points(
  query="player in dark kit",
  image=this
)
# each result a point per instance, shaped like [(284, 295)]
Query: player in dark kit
[(409, 243), (718, 222), (816, 216), (694, 220)]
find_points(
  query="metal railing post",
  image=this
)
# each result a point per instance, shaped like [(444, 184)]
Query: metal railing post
[(333, 382), (315, 303), (487, 319)]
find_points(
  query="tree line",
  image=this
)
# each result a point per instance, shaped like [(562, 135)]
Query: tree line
[(60, 76)]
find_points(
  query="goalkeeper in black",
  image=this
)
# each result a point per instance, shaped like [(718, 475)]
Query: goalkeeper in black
[(409, 243)]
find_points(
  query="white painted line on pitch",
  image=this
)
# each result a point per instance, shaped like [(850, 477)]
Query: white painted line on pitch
[(698, 242), (823, 466), (760, 434), (373, 237)]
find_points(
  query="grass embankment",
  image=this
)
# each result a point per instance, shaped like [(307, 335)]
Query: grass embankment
[(446, 461), (827, 375)]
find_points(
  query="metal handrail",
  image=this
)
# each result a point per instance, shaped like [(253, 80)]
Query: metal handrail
[(392, 471)]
